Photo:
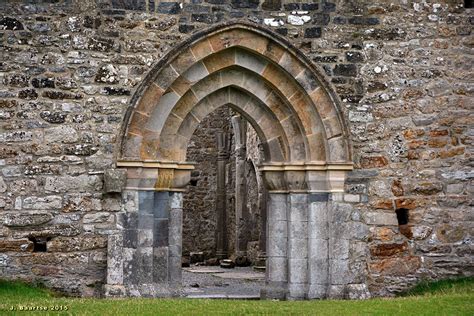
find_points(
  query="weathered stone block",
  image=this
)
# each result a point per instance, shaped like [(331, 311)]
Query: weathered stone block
[(83, 243), (81, 183), (115, 260), (115, 180), (22, 219), (16, 245), (39, 203)]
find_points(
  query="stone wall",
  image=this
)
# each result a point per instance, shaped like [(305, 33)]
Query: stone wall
[(68, 70)]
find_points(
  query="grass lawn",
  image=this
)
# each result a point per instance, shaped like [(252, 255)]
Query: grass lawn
[(451, 297)]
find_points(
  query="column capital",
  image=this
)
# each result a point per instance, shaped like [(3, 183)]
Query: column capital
[(157, 175), (305, 177)]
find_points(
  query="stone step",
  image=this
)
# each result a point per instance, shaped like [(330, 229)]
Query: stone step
[(259, 268)]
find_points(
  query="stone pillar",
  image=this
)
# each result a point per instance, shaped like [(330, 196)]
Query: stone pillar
[(114, 286), (222, 156), (241, 211), (277, 249), (297, 245), (318, 256), (263, 197), (151, 230), (175, 238)]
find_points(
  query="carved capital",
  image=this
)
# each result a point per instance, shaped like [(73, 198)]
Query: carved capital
[(305, 177), (157, 175)]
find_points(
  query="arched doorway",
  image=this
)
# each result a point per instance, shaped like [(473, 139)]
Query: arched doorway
[(306, 156)]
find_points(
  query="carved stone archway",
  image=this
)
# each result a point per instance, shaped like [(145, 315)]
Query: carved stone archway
[(306, 147)]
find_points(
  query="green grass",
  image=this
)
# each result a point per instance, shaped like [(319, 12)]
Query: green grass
[(449, 286), (449, 297)]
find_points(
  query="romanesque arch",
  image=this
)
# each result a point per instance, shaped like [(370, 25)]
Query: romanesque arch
[(306, 147)]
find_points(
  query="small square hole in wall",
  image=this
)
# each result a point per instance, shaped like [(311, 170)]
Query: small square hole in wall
[(402, 216), (39, 243)]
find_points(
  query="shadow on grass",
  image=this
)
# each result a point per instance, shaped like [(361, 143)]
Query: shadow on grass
[(463, 285)]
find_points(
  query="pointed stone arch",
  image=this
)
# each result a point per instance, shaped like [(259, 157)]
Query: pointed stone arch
[(296, 114)]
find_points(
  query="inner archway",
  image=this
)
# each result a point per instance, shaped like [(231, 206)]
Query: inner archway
[(223, 239), (304, 139)]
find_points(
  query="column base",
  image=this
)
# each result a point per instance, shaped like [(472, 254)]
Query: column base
[(274, 292)]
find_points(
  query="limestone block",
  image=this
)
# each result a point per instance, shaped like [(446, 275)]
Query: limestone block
[(380, 218), (250, 61), (61, 134), (144, 238), (166, 77), (38, 203), (197, 72), (160, 264), (339, 248), (115, 260), (174, 270), (339, 270), (176, 227), (161, 111), (358, 292), (176, 200), (317, 291), (185, 60), (318, 268), (276, 247), (277, 269), (290, 64), (297, 270), (81, 183), (3, 186), (22, 219), (115, 180), (278, 229), (298, 248), (144, 257), (83, 243), (16, 245), (298, 230), (149, 99), (202, 49), (284, 83), (161, 233), (114, 290), (99, 217), (277, 207), (308, 81), (318, 248), (297, 291), (220, 60)]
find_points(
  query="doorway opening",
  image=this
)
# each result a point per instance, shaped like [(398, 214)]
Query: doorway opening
[(224, 210)]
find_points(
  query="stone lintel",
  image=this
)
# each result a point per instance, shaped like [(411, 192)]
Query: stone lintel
[(305, 177), (154, 175)]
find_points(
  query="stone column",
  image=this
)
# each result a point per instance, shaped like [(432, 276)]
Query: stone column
[(175, 238), (151, 226), (318, 256), (297, 245), (241, 211), (263, 197), (221, 234), (277, 249)]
